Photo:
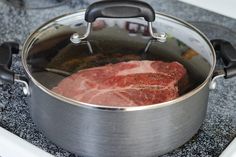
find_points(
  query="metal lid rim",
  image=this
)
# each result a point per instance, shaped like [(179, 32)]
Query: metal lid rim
[(100, 107)]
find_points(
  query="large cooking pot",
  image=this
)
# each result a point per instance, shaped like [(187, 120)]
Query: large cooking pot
[(66, 44)]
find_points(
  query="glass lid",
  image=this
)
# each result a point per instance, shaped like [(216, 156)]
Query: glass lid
[(51, 57)]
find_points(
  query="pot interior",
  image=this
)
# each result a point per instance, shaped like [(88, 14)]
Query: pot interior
[(50, 56)]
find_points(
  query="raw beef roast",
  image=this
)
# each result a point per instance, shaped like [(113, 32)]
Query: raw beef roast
[(132, 83)]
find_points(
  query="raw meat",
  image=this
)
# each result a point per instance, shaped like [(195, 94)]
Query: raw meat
[(132, 83)]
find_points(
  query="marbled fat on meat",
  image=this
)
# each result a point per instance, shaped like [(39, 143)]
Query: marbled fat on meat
[(133, 83)]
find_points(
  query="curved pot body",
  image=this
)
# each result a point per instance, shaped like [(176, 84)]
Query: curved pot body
[(66, 44), (106, 133), (100, 131)]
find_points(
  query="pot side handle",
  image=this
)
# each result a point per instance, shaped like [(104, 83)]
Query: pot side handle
[(6, 75), (228, 54), (6, 51)]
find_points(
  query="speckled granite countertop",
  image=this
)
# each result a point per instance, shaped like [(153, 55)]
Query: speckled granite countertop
[(219, 127)]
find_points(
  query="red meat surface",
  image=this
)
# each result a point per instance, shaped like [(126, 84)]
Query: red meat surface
[(133, 83)]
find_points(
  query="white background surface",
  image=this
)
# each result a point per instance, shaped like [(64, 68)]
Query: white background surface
[(224, 7), (230, 151), (13, 146)]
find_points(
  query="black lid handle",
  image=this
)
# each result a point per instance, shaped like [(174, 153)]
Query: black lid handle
[(228, 55), (6, 51), (120, 9)]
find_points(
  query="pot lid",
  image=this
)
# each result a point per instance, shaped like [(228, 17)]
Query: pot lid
[(54, 52)]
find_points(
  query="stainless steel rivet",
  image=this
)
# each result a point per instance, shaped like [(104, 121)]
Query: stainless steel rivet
[(25, 88), (213, 85), (25, 91), (160, 36), (75, 38)]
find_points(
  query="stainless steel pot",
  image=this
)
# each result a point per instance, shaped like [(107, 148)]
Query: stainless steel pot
[(56, 49)]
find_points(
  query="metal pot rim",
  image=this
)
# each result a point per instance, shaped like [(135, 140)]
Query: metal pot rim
[(30, 40)]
